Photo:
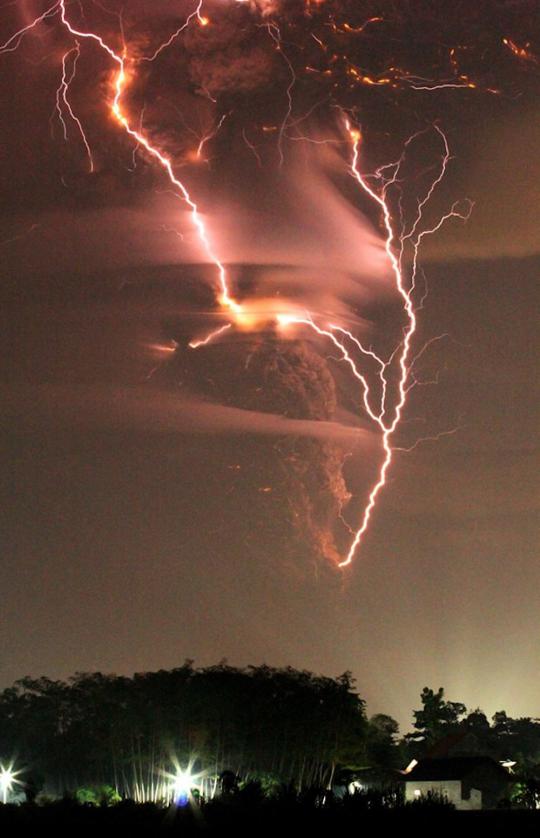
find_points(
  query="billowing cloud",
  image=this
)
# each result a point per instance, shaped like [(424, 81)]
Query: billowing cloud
[(267, 376)]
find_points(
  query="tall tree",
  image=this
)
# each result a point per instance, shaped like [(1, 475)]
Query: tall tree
[(436, 719), (383, 746)]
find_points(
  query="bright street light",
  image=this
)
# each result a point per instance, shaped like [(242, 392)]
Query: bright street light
[(183, 783), (7, 778)]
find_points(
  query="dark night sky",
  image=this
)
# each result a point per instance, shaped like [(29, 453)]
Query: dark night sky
[(131, 541)]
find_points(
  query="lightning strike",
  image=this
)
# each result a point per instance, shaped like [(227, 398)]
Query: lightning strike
[(275, 34), (194, 344), (394, 247), (252, 148), (422, 440), (12, 43), (62, 96), (210, 136), (203, 21), (225, 299)]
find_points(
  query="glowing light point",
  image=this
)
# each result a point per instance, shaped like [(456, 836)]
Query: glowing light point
[(183, 783), (285, 319), (7, 778)]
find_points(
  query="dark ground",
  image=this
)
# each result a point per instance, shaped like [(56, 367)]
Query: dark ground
[(271, 818)]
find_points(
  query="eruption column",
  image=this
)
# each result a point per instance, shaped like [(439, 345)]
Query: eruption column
[(386, 416)]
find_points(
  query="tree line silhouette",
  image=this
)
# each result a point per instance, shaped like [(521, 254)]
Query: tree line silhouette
[(279, 727), (276, 724)]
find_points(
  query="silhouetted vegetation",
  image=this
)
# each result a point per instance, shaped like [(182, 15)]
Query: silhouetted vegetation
[(282, 814), (276, 725), (446, 726), (248, 736)]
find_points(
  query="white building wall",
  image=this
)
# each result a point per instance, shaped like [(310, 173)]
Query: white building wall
[(451, 789)]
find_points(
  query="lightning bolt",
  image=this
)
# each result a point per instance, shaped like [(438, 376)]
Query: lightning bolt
[(196, 13), (394, 246), (122, 61), (275, 34), (14, 41), (194, 344), (62, 96)]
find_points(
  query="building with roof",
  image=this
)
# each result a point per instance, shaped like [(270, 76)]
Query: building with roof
[(467, 782)]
